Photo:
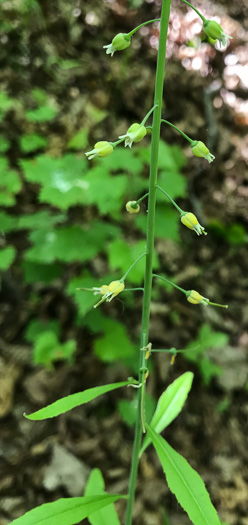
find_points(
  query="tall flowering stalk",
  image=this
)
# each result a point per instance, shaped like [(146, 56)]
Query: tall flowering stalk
[(184, 482)]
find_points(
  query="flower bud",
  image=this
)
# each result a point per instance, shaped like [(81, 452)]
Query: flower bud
[(103, 289), (190, 221), (101, 149), (200, 150), (135, 133), (213, 30), (132, 207), (115, 287), (195, 298), (119, 42)]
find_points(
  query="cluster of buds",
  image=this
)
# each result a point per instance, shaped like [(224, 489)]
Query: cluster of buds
[(199, 149), (190, 221), (119, 42), (214, 31)]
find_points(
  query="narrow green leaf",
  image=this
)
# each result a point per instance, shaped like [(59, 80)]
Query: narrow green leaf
[(170, 404), (185, 483), (107, 515), (67, 511), (74, 400)]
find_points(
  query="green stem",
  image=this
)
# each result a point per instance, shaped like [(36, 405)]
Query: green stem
[(158, 97), (141, 25), (142, 198), (170, 282), (172, 201), (196, 10), (179, 130), (114, 144), (131, 267), (147, 115)]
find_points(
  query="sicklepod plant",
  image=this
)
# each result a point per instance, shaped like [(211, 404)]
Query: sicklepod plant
[(183, 481)]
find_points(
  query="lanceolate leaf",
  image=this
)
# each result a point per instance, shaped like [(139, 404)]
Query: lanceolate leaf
[(67, 511), (169, 405), (106, 515), (185, 483), (74, 400)]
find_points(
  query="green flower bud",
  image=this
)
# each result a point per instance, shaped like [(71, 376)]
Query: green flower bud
[(200, 150), (135, 133), (190, 221), (119, 42), (101, 149), (132, 207), (195, 298), (213, 30)]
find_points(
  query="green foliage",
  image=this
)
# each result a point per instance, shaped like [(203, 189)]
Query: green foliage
[(7, 222), (79, 141), (95, 486), (195, 351), (47, 348), (7, 256), (167, 222), (128, 409), (185, 483), (4, 144), (121, 256), (32, 142), (74, 400), (6, 103), (66, 511), (114, 344), (10, 184), (170, 405), (235, 234)]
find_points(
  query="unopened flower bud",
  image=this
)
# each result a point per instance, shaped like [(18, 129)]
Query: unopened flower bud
[(195, 298), (135, 133), (132, 207), (101, 149), (213, 30), (190, 221), (119, 42), (200, 150)]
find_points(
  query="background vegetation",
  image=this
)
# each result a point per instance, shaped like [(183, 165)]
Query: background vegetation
[(63, 225)]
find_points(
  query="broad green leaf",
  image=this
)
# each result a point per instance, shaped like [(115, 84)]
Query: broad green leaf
[(66, 511), (44, 273), (74, 400), (7, 256), (32, 142), (40, 220), (104, 190), (115, 343), (185, 483), (170, 158), (48, 349), (7, 222), (123, 159), (79, 141), (170, 404), (10, 183), (42, 114), (4, 144), (37, 327), (173, 183), (107, 515)]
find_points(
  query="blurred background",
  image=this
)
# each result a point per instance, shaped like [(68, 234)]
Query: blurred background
[(63, 225)]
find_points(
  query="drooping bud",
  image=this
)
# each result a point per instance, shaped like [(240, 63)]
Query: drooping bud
[(119, 42), (132, 207), (115, 287), (213, 30), (190, 221), (199, 149), (195, 298), (101, 149), (135, 133)]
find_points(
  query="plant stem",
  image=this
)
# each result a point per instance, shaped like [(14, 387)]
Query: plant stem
[(141, 25), (158, 97), (131, 267), (170, 199), (196, 10), (170, 282), (179, 130)]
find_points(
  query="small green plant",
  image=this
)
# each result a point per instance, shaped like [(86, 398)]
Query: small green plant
[(63, 186)]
